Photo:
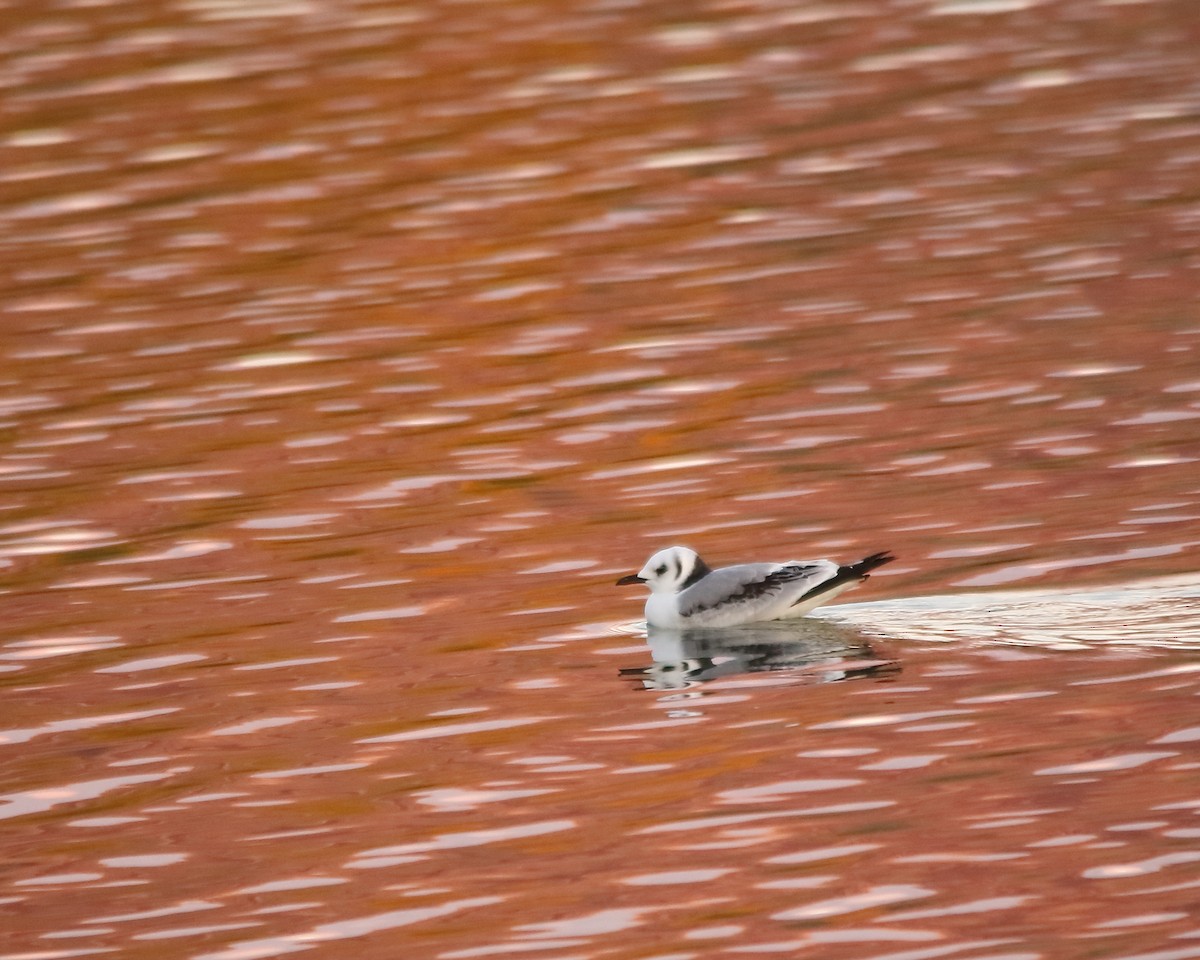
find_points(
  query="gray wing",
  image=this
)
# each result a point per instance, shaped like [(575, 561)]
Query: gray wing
[(750, 587)]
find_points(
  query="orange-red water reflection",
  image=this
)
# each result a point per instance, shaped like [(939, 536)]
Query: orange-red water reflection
[(349, 353)]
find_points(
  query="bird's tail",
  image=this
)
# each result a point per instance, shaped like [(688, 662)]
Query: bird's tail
[(846, 577)]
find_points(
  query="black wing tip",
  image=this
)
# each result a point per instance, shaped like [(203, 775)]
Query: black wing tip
[(867, 564), (850, 572)]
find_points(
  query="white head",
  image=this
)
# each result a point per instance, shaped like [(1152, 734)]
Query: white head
[(669, 571)]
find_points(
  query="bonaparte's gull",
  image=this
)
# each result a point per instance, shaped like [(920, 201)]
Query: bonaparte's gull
[(686, 592)]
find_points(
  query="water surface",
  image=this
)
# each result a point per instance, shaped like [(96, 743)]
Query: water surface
[(349, 353)]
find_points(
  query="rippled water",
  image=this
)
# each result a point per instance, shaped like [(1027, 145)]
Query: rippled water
[(349, 352)]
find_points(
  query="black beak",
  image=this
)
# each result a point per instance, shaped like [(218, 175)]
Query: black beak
[(632, 578)]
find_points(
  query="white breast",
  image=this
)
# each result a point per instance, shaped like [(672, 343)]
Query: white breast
[(662, 610)]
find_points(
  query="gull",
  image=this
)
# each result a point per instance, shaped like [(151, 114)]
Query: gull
[(685, 592)]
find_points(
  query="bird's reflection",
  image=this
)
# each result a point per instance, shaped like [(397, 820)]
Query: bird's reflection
[(825, 652)]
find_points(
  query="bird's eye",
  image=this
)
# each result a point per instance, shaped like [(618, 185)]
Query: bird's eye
[(662, 568)]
